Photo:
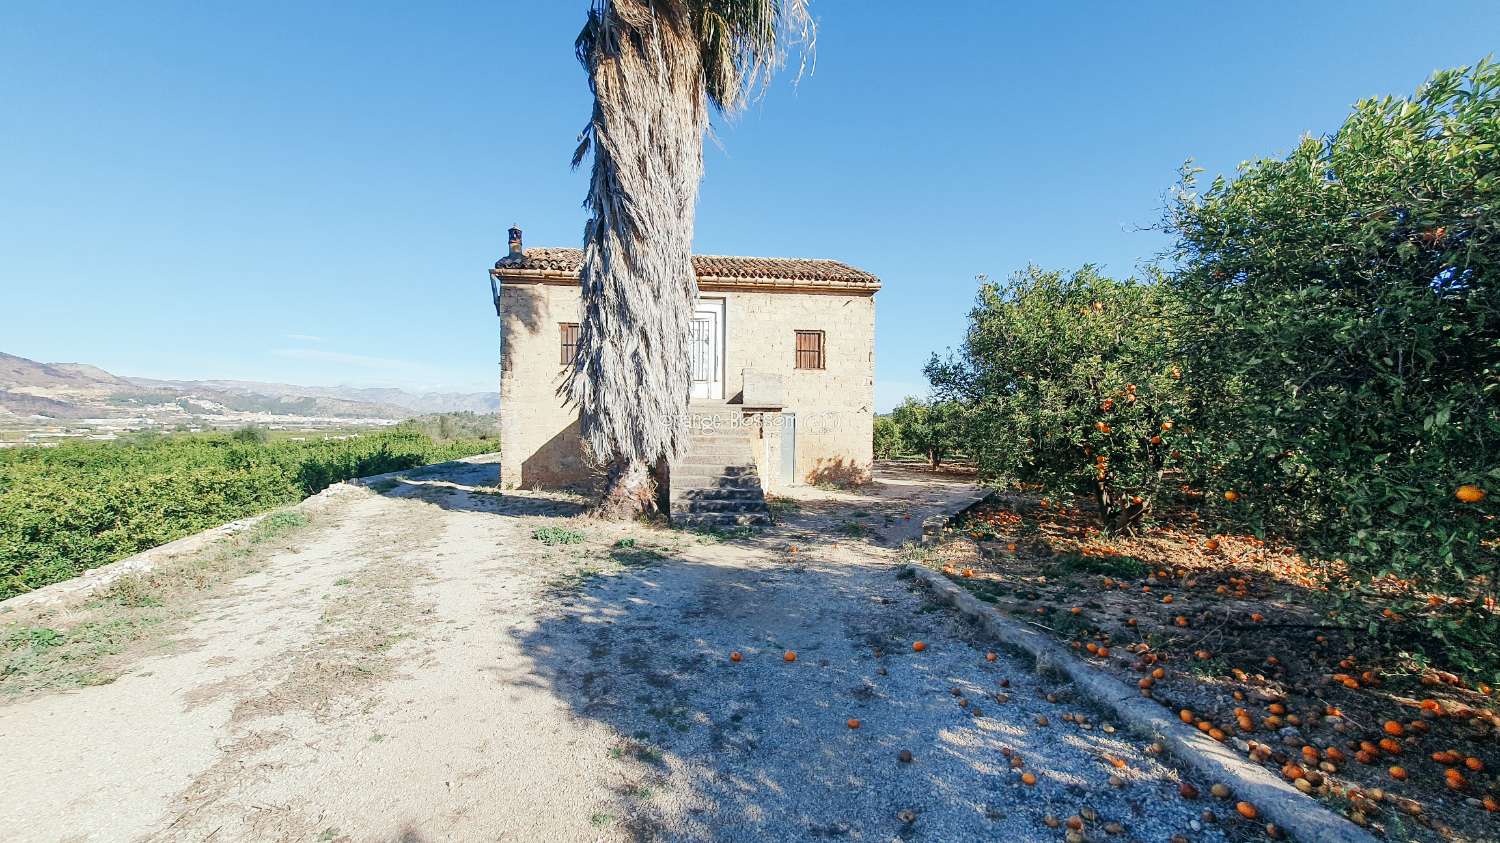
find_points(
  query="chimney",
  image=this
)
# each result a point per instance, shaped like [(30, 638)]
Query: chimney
[(515, 243)]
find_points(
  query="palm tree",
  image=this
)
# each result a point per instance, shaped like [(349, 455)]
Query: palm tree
[(654, 66)]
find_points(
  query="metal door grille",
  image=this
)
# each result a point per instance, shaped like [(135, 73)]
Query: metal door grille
[(701, 349)]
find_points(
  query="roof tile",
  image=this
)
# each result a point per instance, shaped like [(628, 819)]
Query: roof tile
[(794, 271)]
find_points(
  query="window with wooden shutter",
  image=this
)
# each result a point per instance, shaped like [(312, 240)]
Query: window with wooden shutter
[(810, 350), (569, 332)]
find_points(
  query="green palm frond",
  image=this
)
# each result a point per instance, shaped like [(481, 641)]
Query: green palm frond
[(744, 42)]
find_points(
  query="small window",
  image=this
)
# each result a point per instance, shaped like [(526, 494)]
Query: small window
[(810, 350), (569, 332)]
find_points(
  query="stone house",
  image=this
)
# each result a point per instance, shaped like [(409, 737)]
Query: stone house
[(783, 364)]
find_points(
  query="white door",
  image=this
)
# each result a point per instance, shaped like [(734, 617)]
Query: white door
[(706, 349)]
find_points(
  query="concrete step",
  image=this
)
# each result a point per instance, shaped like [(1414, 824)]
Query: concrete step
[(735, 438), (699, 486), (728, 454), (720, 519), (714, 468), (716, 483), (717, 493), (735, 506)]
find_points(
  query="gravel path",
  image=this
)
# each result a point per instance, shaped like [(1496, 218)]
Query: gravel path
[(422, 668)]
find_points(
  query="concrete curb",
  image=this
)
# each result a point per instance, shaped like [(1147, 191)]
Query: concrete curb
[(96, 579), (1297, 814), (934, 527)]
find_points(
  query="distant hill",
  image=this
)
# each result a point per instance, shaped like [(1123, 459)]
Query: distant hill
[(415, 403), (79, 390), (19, 404), (20, 374)]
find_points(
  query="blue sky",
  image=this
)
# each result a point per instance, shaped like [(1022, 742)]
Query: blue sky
[(312, 192)]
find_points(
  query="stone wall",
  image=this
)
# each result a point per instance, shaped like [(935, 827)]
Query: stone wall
[(539, 443), (834, 406)]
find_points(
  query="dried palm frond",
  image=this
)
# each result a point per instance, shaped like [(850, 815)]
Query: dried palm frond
[(654, 67)]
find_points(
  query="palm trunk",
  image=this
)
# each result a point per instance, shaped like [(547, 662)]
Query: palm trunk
[(630, 380), (629, 491)]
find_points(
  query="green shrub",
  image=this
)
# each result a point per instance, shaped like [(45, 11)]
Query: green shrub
[(64, 510), (1345, 338), (887, 438), (251, 435), (556, 535), (1071, 389)]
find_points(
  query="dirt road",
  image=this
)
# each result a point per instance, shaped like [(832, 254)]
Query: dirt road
[(421, 664)]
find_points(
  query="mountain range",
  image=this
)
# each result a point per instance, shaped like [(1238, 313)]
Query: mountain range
[(78, 391)]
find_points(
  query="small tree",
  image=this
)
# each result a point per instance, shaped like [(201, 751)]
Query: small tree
[(251, 435), (887, 438), (1071, 386), (933, 429)]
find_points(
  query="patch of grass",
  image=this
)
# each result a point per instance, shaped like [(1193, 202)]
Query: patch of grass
[(1122, 567), (133, 591), (556, 535), (853, 528), (986, 590), (636, 557), (601, 820), (36, 638), (275, 525), (782, 506), (637, 750), (40, 652), (673, 716), (914, 553), (575, 580), (1210, 667)]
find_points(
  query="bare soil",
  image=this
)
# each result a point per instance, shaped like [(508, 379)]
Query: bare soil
[(1241, 640), (434, 659)]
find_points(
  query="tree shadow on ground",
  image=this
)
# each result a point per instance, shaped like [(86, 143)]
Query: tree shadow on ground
[(761, 749), (472, 487)]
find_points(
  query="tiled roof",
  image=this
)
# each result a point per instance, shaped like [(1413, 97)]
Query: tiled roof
[(727, 271)]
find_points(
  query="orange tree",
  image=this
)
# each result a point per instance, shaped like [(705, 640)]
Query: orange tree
[(933, 429), (1071, 387), (1345, 301)]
